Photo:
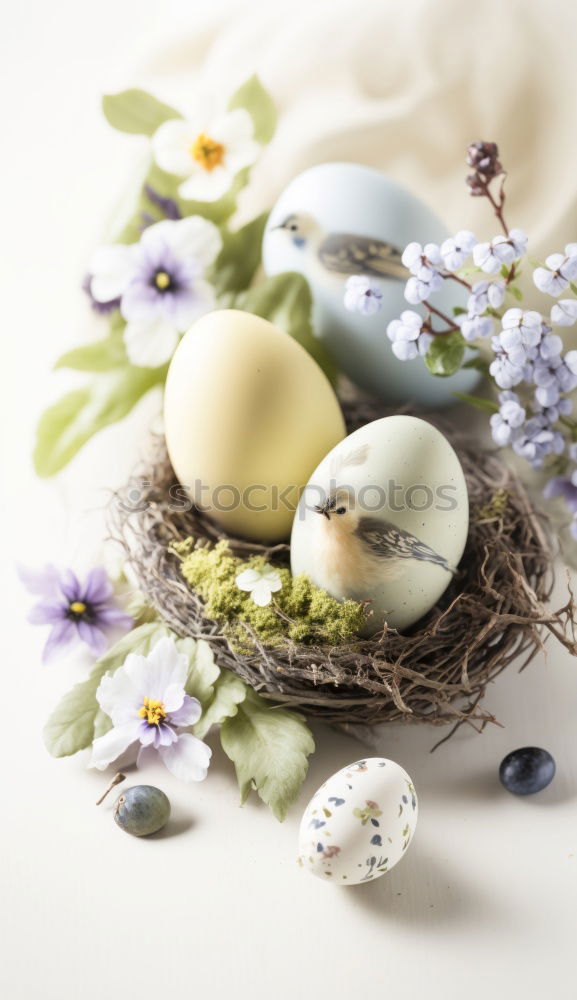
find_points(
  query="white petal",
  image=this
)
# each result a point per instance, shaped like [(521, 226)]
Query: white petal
[(206, 185), (171, 144), (193, 237), (247, 579), (187, 309), (107, 748), (120, 696), (150, 345), (111, 268), (242, 156), (188, 758), (233, 129), (261, 594), (166, 668)]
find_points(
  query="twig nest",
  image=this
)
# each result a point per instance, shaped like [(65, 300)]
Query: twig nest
[(493, 613)]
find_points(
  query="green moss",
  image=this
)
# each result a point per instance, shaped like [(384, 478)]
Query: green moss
[(313, 615)]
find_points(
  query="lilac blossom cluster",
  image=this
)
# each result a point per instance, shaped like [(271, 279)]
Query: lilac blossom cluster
[(527, 359)]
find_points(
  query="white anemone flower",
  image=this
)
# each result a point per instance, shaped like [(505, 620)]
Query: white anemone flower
[(149, 707), (261, 584), (207, 154)]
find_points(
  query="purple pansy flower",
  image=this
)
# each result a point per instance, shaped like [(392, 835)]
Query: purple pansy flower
[(160, 284), (77, 612)]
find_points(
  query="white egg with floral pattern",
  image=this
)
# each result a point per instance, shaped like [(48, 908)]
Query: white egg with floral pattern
[(359, 823)]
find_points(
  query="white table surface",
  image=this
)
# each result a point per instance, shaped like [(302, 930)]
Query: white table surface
[(484, 903)]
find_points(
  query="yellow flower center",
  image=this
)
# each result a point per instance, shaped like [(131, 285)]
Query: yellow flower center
[(78, 607), (153, 711), (206, 151), (162, 280)]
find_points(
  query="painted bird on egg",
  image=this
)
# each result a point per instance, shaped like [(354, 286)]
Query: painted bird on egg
[(384, 519), (343, 254), (338, 220)]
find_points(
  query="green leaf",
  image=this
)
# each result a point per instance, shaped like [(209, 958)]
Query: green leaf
[(136, 112), (479, 364), (67, 425), (166, 185), (487, 405), (78, 719), (202, 672), (458, 311), (260, 105), (516, 292), (239, 259), (101, 356), (445, 355), (229, 692), (269, 747), (285, 299), (573, 287)]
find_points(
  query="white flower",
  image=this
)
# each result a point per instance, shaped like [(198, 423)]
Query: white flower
[(159, 283), (408, 342), (207, 154), (422, 285), (484, 294), (522, 326), (362, 295), (473, 327), (261, 584), (564, 312), (148, 705), (456, 249), (561, 269), (502, 250), (417, 258)]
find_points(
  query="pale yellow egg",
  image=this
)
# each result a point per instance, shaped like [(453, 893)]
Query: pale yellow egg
[(248, 416)]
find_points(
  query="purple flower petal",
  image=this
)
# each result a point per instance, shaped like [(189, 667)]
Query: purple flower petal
[(188, 759), (188, 713), (70, 586), (165, 736), (45, 581), (61, 637), (47, 613), (108, 615), (97, 587), (93, 637)]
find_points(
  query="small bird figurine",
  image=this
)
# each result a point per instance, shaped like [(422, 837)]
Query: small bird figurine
[(357, 552), (342, 254)]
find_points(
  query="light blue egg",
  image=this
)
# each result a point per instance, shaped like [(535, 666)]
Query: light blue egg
[(354, 200)]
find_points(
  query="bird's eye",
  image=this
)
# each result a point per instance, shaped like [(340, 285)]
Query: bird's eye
[(341, 510), (293, 226)]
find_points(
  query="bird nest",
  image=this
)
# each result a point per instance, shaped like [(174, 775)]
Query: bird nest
[(493, 614)]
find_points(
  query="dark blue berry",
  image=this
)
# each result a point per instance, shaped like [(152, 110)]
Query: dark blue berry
[(141, 810), (527, 770)]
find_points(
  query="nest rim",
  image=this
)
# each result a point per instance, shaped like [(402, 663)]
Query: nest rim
[(438, 671)]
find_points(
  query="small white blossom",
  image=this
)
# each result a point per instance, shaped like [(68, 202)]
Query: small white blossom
[(484, 294), (456, 249), (416, 257), (206, 154), (564, 312), (362, 295), (261, 584), (421, 286), (474, 327), (528, 323), (506, 423), (502, 250), (560, 270), (406, 336)]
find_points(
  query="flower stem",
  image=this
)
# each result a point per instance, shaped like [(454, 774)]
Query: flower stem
[(115, 781), (452, 328)]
